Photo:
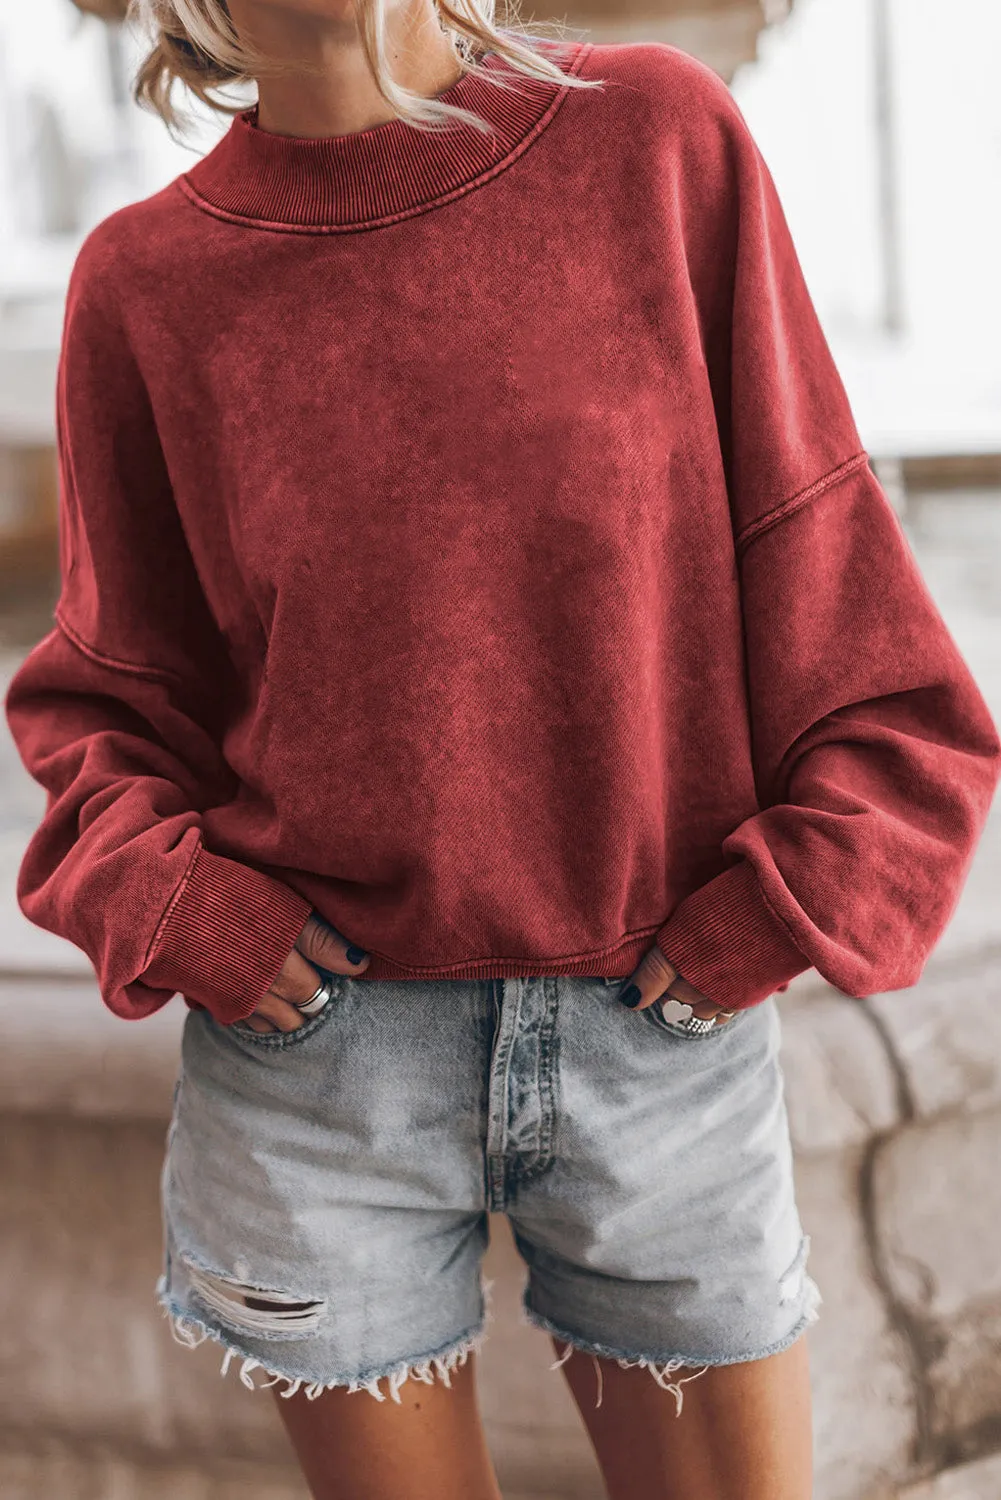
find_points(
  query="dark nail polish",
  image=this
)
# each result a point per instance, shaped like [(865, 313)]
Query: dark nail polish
[(355, 955), (631, 996)]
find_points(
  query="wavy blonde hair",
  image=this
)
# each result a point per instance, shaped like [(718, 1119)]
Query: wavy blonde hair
[(194, 42)]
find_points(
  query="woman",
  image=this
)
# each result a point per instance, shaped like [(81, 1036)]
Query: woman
[(486, 671)]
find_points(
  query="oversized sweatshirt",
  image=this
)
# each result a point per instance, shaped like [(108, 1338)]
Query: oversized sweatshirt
[(467, 537)]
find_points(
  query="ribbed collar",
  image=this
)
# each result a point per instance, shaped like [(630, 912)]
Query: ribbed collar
[(354, 181)]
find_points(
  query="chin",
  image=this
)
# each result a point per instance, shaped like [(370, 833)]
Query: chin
[(331, 10)]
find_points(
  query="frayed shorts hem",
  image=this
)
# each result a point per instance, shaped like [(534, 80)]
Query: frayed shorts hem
[(662, 1367), (190, 1330)]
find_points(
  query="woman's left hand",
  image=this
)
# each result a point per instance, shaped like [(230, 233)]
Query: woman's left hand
[(656, 978)]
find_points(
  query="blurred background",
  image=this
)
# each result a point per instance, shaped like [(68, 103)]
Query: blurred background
[(881, 122)]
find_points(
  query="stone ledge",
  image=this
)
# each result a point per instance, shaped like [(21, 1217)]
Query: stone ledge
[(65, 1053), (98, 1472), (87, 1356), (840, 1086), (946, 1034), (979, 1481), (863, 1402), (937, 1205)]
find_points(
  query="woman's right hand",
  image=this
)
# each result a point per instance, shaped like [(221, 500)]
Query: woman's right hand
[(299, 980)]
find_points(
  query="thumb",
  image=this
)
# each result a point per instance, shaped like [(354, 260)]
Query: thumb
[(323, 945)]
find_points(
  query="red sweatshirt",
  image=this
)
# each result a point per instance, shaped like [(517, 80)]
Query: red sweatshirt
[(469, 538)]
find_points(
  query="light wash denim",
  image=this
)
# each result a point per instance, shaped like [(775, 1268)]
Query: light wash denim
[(325, 1192)]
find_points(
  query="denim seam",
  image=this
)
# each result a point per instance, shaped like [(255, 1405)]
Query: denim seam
[(523, 1171), (498, 1171)]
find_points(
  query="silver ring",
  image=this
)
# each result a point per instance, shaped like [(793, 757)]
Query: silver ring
[(318, 999), (698, 1024)]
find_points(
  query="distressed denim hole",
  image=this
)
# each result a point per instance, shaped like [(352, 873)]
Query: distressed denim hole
[(255, 1309)]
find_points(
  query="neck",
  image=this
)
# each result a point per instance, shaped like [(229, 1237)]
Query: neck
[(321, 84)]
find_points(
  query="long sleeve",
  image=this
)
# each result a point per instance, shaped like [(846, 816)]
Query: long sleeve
[(117, 712), (875, 756)]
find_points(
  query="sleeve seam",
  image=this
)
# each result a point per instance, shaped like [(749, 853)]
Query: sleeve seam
[(771, 518), (168, 910), (134, 669), (776, 915)]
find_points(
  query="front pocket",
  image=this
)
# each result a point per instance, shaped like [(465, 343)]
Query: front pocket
[(657, 1018), (279, 1040)]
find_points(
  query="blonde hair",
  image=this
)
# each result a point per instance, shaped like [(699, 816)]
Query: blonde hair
[(194, 42)]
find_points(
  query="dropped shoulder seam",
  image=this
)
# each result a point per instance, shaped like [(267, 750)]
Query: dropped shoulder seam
[(135, 669), (771, 518)]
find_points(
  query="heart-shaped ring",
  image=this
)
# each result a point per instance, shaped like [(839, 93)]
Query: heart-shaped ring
[(675, 1010)]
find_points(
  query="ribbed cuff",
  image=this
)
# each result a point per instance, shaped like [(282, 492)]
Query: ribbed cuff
[(724, 940), (227, 937)]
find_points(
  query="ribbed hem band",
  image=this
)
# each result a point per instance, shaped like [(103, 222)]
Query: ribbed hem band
[(726, 941)]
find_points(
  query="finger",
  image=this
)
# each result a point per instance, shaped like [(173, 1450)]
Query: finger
[(705, 1009), (275, 1014), (324, 945), (298, 979), (656, 978)]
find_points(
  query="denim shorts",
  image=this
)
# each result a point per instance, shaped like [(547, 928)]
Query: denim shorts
[(325, 1192)]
